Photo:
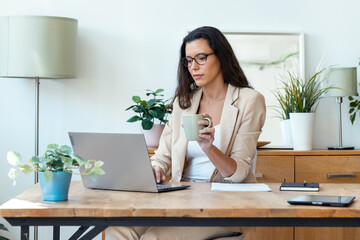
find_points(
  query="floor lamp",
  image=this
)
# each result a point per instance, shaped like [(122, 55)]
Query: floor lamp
[(345, 81), (38, 47)]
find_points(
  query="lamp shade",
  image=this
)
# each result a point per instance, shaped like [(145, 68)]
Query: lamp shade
[(38, 46), (343, 78)]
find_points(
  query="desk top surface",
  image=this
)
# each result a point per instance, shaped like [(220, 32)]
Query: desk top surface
[(197, 201)]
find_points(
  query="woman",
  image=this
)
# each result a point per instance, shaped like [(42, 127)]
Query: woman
[(210, 82)]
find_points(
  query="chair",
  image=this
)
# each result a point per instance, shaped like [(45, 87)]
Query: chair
[(253, 168)]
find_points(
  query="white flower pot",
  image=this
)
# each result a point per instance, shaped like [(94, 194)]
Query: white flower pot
[(302, 129), (153, 135), (285, 126)]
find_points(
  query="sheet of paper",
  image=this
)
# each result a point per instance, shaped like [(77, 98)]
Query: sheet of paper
[(240, 187)]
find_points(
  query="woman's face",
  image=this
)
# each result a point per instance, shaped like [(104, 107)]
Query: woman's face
[(208, 73)]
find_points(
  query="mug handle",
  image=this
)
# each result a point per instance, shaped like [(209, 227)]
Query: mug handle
[(210, 122)]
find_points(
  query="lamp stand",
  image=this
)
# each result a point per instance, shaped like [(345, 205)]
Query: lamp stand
[(37, 85), (36, 180), (340, 147)]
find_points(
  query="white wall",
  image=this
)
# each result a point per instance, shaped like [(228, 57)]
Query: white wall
[(127, 46)]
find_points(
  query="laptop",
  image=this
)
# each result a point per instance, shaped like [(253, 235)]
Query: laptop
[(126, 162), (335, 201)]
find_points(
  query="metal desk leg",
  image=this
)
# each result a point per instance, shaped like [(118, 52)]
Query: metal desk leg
[(79, 232), (96, 230), (24, 235), (56, 233)]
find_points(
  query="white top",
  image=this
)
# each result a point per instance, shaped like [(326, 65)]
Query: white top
[(199, 167)]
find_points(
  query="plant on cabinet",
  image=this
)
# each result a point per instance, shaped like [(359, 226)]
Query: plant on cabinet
[(302, 99)]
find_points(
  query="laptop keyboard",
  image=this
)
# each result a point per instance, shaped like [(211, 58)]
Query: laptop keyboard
[(164, 186), (170, 187)]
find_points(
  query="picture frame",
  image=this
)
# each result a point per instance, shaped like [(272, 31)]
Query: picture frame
[(264, 58)]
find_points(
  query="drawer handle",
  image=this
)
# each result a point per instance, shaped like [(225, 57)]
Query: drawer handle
[(344, 175), (259, 175)]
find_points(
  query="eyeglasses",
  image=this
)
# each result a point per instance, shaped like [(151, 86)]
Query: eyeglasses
[(199, 58)]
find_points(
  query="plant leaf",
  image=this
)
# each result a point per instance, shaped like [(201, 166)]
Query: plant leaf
[(353, 104), (88, 165), (13, 174), (92, 176), (52, 146), (67, 161), (99, 163), (136, 99), (13, 158), (25, 169), (80, 161), (159, 90), (146, 124), (48, 175), (34, 160), (153, 113), (152, 102), (134, 119), (97, 170), (144, 103), (66, 150)]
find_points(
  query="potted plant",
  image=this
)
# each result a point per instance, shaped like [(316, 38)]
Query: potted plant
[(354, 104), (55, 169), (302, 99), (149, 110), (283, 96)]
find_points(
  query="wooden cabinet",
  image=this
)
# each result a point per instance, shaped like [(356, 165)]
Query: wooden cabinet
[(275, 169), (328, 169), (272, 169), (323, 166)]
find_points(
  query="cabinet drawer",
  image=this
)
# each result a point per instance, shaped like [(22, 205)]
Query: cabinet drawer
[(327, 169), (275, 168)]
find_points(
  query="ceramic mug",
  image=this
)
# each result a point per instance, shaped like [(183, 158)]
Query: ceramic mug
[(191, 126)]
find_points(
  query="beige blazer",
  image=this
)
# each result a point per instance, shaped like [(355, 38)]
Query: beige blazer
[(241, 121)]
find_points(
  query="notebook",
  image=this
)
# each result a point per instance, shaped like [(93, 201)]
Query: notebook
[(319, 200), (295, 186), (126, 162)]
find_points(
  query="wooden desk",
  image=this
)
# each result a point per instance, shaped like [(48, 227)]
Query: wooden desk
[(196, 206)]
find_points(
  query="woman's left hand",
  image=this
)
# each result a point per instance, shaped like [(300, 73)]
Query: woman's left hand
[(207, 134)]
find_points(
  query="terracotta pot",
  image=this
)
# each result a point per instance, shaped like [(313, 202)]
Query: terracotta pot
[(153, 135)]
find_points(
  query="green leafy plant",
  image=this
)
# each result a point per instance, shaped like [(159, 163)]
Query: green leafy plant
[(298, 96), (354, 108), (283, 96), (56, 158), (148, 111), (3, 228)]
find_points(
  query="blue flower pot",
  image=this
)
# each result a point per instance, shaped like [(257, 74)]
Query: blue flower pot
[(57, 188)]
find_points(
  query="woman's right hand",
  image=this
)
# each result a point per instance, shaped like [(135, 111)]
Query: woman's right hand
[(159, 174)]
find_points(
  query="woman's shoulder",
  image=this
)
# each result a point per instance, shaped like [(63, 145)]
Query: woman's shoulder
[(246, 93), (249, 91)]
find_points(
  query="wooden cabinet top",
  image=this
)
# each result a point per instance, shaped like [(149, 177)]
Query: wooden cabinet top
[(316, 152)]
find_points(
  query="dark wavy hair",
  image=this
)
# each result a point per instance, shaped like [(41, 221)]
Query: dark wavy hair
[(231, 70)]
